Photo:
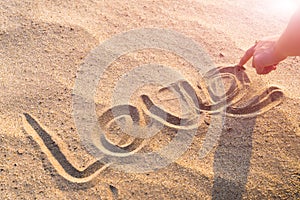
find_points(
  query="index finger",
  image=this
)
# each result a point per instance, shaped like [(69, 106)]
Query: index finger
[(249, 53)]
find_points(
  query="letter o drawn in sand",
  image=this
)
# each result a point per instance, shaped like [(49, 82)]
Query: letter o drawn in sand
[(101, 58)]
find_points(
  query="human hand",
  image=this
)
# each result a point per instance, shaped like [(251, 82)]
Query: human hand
[(266, 55)]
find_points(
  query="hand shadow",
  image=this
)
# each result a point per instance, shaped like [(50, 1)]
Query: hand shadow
[(233, 153), (232, 159)]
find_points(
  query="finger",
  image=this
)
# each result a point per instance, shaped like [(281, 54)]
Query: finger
[(265, 70), (249, 53), (269, 69)]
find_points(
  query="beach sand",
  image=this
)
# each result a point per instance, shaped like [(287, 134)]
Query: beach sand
[(43, 44)]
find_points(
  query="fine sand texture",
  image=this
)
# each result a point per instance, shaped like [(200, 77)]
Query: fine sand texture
[(237, 142)]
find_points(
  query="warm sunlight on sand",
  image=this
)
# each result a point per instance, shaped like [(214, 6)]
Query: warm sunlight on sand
[(114, 99)]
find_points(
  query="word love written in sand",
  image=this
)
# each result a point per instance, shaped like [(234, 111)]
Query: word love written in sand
[(239, 104)]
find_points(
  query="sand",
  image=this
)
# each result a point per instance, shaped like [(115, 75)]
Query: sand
[(43, 46)]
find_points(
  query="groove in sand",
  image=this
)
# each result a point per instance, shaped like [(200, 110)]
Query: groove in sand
[(259, 103)]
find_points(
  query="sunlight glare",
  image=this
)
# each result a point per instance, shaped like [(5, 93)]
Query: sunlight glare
[(284, 7)]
